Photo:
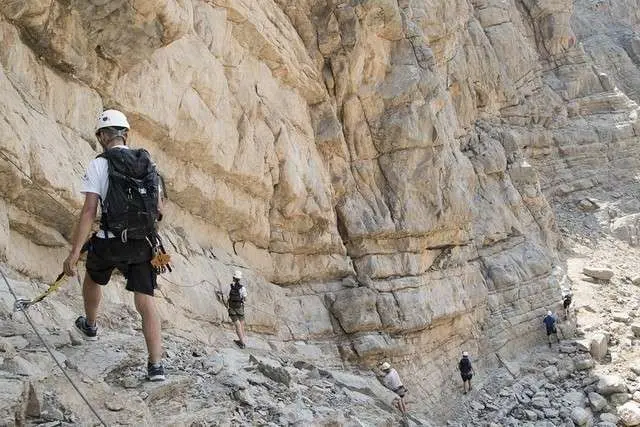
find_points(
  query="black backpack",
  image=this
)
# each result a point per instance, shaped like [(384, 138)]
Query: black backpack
[(235, 299), (465, 365), (130, 208)]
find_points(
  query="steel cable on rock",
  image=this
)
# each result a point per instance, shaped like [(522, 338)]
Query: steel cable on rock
[(66, 208), (46, 346)]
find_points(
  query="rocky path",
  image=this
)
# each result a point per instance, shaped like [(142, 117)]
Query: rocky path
[(592, 377), (213, 384)]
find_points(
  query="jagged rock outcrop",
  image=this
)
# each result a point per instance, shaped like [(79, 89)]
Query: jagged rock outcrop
[(382, 168)]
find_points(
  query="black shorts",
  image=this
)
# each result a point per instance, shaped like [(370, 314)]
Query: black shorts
[(236, 313), (566, 303), (552, 331), (131, 258), (400, 391), (466, 376)]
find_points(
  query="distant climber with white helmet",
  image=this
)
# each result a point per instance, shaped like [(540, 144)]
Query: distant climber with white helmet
[(235, 305), (125, 184), (391, 380), (466, 371)]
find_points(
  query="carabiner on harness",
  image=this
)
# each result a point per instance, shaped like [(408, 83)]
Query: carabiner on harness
[(160, 259), (22, 304)]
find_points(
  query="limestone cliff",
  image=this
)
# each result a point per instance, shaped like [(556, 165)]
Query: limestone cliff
[(381, 169)]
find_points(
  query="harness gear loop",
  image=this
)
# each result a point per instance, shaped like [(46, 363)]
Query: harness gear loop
[(160, 259)]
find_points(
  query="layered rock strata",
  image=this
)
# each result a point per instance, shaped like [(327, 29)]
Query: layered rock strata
[(380, 168)]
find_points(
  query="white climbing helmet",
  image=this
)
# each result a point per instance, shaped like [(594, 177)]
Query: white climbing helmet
[(385, 366), (237, 274), (549, 313), (111, 118), (465, 354)]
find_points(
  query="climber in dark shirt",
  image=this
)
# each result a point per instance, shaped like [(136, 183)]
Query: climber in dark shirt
[(466, 371), (550, 324)]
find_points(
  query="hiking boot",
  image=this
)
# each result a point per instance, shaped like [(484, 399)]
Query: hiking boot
[(239, 343), (155, 372), (90, 332)]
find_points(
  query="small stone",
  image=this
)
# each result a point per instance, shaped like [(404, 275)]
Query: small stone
[(75, 338), (636, 280), (540, 402), (551, 412), (575, 398), (7, 350), (580, 416), (635, 328), (130, 382), (114, 404), (598, 273), (636, 396), (588, 205), (584, 364), (598, 402), (531, 415), (213, 364), (350, 282), (477, 405), (51, 414), (551, 373), (567, 348), (244, 397), (621, 317)]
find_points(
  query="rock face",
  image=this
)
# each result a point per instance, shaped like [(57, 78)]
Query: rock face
[(381, 169)]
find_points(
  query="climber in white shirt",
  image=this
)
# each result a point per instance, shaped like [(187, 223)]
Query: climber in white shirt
[(391, 380)]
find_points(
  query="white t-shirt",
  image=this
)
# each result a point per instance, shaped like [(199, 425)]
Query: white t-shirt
[(392, 380), (96, 180)]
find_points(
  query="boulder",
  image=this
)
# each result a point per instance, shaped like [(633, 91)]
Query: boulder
[(608, 417), (17, 400), (275, 373), (598, 273), (618, 399), (598, 346), (629, 414), (610, 384)]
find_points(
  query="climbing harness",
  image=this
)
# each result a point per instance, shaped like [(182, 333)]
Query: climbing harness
[(46, 346), (22, 304)]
